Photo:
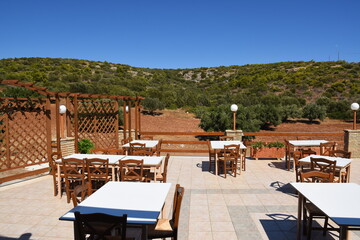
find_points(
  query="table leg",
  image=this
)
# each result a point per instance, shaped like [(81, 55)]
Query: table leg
[(113, 172), (144, 232), (155, 173), (76, 232), (299, 218), (58, 169), (343, 233), (216, 163), (347, 174)]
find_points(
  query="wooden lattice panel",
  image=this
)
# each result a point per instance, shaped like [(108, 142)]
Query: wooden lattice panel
[(97, 122), (23, 132)]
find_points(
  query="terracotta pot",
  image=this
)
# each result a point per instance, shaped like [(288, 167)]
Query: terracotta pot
[(266, 152)]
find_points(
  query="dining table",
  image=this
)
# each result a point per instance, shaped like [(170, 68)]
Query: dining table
[(149, 144), (219, 145), (342, 164), (151, 162), (338, 201), (142, 202), (306, 143)]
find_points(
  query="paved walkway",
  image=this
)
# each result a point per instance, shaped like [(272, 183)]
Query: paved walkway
[(258, 204)]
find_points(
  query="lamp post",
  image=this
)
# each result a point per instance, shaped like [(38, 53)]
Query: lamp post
[(354, 107), (62, 111), (234, 108)]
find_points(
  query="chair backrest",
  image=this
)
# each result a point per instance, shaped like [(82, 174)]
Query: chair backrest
[(323, 165), (98, 151), (131, 170), (100, 226), (74, 168), (142, 152), (316, 176), (164, 174), (325, 148), (297, 155), (147, 138), (97, 168), (231, 151), (126, 140), (340, 153), (158, 148), (80, 193), (226, 138), (178, 196), (136, 147), (52, 164), (307, 152)]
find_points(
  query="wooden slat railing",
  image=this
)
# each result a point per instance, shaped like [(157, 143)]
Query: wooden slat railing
[(212, 134)]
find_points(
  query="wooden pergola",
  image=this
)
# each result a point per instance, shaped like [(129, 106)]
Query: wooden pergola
[(93, 116)]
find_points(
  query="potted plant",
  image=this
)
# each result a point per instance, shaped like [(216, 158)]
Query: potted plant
[(84, 146), (267, 150)]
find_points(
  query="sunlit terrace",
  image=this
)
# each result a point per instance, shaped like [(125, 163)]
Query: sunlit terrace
[(257, 204)]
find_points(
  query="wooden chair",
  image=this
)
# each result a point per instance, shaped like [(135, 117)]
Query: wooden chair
[(142, 152), (74, 171), (323, 165), (126, 140), (340, 153), (326, 148), (53, 171), (158, 148), (161, 177), (307, 152), (226, 138), (132, 170), (136, 147), (168, 228), (289, 151), (344, 154), (98, 151), (212, 156), (242, 159), (97, 172), (229, 159), (147, 138), (310, 211), (297, 156), (100, 226), (114, 151), (80, 193)]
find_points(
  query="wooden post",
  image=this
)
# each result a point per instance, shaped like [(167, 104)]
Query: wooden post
[(76, 123), (7, 137), (234, 114), (68, 120), (354, 123), (124, 112), (116, 124), (48, 128), (136, 119), (129, 116), (57, 114)]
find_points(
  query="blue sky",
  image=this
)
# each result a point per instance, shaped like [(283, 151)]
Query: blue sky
[(182, 34)]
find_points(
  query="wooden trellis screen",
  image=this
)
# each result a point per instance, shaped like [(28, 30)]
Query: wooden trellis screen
[(98, 121), (25, 124), (24, 132)]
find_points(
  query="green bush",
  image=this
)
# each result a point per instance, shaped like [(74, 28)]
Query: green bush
[(268, 145), (84, 146)]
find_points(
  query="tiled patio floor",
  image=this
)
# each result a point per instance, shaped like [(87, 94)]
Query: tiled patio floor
[(258, 204)]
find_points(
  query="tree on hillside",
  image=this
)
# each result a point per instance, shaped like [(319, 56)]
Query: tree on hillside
[(313, 111), (152, 104)]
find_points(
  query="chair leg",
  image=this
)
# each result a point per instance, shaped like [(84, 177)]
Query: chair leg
[(325, 225), (309, 226), (225, 169)]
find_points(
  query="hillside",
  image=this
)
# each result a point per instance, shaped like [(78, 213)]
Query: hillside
[(191, 87)]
